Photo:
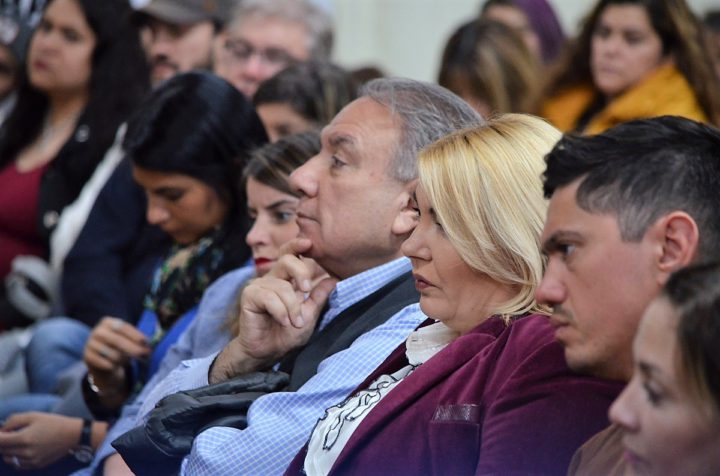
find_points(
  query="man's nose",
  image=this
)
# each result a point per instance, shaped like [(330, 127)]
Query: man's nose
[(550, 291), (304, 178)]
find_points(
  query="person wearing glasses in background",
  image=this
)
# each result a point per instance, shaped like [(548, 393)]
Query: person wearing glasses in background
[(265, 36)]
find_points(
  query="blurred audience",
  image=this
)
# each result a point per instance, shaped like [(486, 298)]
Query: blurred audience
[(634, 59), (488, 65), (534, 21), (304, 96), (670, 411), (115, 241), (266, 36), (190, 173), (85, 72), (627, 208)]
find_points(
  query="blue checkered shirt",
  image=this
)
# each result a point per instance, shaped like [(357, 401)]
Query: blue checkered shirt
[(280, 423)]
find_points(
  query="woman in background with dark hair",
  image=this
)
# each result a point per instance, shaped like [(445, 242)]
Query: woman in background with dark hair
[(85, 73), (536, 23), (302, 97), (187, 144), (488, 65), (635, 59)]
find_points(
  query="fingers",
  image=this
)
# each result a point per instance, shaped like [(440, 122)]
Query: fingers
[(12, 440), (296, 246), (293, 269), (17, 421), (112, 343), (313, 305), (123, 334), (275, 298)]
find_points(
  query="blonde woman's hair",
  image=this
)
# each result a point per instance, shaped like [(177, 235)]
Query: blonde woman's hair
[(485, 187)]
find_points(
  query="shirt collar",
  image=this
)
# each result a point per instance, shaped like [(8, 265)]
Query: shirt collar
[(351, 290)]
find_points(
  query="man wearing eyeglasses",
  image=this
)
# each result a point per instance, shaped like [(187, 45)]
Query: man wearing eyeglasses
[(265, 36)]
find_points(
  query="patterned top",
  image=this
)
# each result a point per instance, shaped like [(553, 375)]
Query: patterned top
[(334, 429)]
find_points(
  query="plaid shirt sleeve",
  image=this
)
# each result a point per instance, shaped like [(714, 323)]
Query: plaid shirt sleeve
[(280, 423)]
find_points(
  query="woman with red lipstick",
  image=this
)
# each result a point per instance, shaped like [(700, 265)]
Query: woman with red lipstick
[(271, 200), (635, 59), (85, 73), (482, 387), (669, 413)]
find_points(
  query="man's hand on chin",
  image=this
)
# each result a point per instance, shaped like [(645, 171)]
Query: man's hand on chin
[(278, 313)]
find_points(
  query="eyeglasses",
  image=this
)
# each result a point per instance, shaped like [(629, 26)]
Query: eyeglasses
[(241, 51)]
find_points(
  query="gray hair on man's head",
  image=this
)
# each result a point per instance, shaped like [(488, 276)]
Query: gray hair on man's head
[(316, 21), (427, 111)]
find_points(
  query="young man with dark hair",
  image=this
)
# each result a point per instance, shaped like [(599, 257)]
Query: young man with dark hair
[(627, 208)]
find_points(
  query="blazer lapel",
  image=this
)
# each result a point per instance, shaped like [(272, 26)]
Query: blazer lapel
[(430, 374)]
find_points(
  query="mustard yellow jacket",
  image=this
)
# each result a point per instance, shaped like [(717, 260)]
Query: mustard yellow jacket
[(666, 91)]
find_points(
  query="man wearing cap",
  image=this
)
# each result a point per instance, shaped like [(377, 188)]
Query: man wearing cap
[(180, 34)]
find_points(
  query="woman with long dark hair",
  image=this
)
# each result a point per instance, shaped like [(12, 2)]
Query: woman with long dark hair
[(634, 59), (86, 71)]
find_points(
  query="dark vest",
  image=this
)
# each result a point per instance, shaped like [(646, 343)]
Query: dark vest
[(361, 317)]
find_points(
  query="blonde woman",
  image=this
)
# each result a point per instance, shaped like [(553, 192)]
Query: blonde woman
[(485, 389)]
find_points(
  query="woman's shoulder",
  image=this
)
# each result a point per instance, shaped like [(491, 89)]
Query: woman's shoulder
[(668, 83), (565, 108), (510, 344), (528, 327)]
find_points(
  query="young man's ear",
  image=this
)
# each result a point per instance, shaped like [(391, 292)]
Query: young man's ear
[(406, 218), (679, 239)]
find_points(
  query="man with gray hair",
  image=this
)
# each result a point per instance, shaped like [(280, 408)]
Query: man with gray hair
[(355, 211), (265, 36)]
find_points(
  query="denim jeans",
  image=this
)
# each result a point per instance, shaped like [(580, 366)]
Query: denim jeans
[(56, 346)]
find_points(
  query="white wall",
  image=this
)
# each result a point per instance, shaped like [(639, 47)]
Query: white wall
[(406, 37)]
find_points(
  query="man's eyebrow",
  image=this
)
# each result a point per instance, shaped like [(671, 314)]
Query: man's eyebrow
[(337, 141), (558, 238)]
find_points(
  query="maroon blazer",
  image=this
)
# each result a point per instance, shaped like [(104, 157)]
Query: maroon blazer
[(498, 400)]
